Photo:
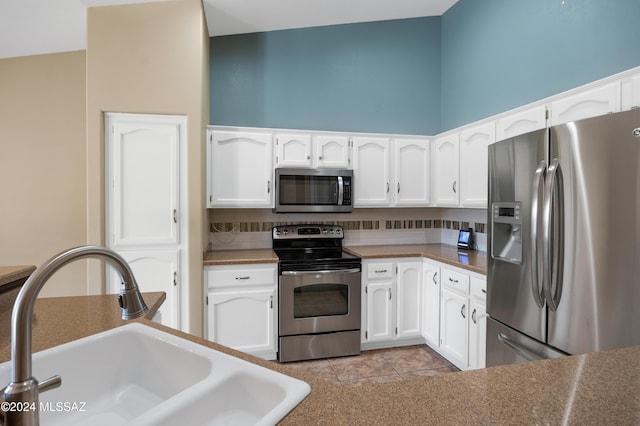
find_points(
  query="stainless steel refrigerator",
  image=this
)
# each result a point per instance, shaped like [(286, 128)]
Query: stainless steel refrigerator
[(564, 240)]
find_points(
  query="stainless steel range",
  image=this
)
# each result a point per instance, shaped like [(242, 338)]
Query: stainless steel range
[(318, 294)]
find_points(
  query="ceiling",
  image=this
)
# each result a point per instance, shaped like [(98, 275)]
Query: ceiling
[(32, 27)]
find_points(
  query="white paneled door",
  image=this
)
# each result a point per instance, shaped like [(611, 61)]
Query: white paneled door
[(145, 202)]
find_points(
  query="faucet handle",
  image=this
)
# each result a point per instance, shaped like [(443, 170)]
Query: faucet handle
[(50, 383)]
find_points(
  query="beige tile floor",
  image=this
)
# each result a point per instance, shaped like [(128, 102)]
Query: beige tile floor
[(380, 365)]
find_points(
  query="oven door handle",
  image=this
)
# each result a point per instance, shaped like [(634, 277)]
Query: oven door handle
[(329, 271)]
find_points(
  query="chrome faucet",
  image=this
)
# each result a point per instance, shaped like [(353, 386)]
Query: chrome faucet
[(24, 388)]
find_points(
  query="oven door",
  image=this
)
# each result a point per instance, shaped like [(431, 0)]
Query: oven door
[(319, 301)]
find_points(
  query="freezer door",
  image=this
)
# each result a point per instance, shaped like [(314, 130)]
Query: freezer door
[(513, 290), (596, 275), (507, 346)]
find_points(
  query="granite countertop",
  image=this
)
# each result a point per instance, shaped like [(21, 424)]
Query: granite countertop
[(473, 261), (597, 388), (11, 274)]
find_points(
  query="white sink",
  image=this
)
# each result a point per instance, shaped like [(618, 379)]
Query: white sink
[(138, 375)]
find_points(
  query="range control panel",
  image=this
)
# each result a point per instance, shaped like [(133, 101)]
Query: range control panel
[(307, 231)]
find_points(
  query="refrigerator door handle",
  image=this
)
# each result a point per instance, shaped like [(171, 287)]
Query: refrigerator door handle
[(553, 248), (536, 276), (522, 351)]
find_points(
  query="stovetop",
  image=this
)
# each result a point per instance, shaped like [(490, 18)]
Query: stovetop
[(311, 246)]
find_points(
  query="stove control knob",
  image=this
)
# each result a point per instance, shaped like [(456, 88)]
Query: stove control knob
[(331, 231), (324, 230), (278, 232)]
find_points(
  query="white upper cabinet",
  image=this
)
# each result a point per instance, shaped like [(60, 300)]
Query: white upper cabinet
[(371, 172), (598, 101), (521, 122), (240, 170), (474, 164), (144, 169), (445, 170), (630, 96), (293, 150), (332, 152), (412, 160), (322, 151)]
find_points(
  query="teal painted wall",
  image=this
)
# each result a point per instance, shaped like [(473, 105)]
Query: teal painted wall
[(371, 77), (423, 75), (500, 54)]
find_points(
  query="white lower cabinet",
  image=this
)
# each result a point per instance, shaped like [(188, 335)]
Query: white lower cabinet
[(431, 303), (462, 318), (241, 307), (454, 327), (391, 300), (478, 323)]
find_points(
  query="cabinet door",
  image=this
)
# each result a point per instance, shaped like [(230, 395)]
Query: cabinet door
[(143, 155), (630, 93), (154, 270), (332, 151), (445, 170), (379, 311), (412, 160), (371, 172), (242, 319), (431, 304), (409, 301), (474, 164), (454, 327), (521, 122), (477, 335), (240, 169), (293, 150), (598, 101)]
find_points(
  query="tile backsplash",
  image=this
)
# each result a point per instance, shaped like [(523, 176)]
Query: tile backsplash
[(251, 228)]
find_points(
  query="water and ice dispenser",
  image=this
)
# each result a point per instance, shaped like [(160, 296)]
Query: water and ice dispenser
[(506, 231)]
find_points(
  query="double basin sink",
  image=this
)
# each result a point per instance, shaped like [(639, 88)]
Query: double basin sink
[(139, 375)]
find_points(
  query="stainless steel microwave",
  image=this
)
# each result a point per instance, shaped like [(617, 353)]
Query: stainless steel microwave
[(313, 190)]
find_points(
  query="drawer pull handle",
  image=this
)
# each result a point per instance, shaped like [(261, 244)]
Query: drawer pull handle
[(380, 271), (435, 278), (484, 291), (243, 278), (462, 311), (452, 280)]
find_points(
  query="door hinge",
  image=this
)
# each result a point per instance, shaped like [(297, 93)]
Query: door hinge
[(546, 113)]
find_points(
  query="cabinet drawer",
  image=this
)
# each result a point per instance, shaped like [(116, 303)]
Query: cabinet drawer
[(478, 288), (455, 280), (230, 277), (380, 270)]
